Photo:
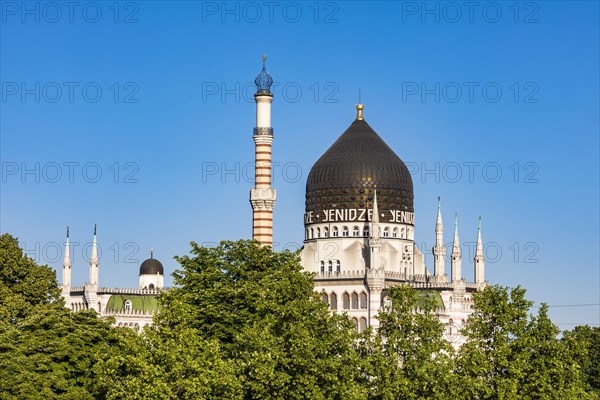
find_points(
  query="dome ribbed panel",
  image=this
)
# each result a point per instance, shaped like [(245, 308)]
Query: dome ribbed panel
[(357, 163)]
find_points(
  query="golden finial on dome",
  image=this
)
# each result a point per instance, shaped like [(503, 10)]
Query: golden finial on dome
[(359, 108), (359, 112)]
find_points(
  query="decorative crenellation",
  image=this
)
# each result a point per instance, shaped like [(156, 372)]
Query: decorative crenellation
[(106, 290)]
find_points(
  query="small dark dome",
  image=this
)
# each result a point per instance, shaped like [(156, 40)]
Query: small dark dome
[(353, 167), (151, 267)]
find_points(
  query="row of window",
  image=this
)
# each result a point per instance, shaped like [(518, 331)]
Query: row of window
[(311, 233), (338, 266), (352, 301)]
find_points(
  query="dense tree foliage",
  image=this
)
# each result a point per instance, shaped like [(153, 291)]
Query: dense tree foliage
[(509, 354), (584, 345), (46, 351), (244, 322), (408, 358)]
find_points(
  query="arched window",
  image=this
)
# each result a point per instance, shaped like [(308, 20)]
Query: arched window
[(386, 232), (345, 232), (366, 231), (151, 286), (338, 266), (363, 300), (450, 322), (333, 301), (355, 323), (346, 301), (324, 298), (318, 232), (334, 232), (395, 232), (363, 324), (322, 267), (402, 233), (326, 232), (354, 301), (355, 231), (330, 265), (128, 304)]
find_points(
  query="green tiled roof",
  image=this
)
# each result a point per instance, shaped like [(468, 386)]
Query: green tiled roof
[(430, 293), (138, 302)]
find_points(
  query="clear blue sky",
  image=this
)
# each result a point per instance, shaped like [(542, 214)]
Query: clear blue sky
[(155, 96)]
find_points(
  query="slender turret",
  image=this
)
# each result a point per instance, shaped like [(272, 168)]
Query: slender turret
[(456, 254), (439, 251), (479, 260), (375, 273), (375, 240), (94, 262), (262, 196), (66, 273)]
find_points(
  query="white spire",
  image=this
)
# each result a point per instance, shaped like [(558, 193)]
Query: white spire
[(374, 240), (375, 217), (439, 251), (66, 272), (94, 261), (456, 254), (439, 227), (456, 243), (479, 259)]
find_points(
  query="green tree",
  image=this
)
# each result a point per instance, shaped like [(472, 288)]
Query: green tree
[(23, 283), (509, 354), (246, 323), (46, 351), (583, 343), (408, 358)]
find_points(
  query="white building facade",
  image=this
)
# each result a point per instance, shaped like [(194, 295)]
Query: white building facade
[(130, 307), (359, 230)]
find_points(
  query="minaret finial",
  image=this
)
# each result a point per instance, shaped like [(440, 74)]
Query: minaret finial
[(152, 250), (359, 112), (67, 230), (94, 229), (479, 224), (263, 81)]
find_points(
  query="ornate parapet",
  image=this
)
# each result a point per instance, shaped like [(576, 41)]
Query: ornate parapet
[(105, 290)]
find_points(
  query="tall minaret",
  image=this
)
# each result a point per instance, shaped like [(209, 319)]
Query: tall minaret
[(456, 255), (374, 240), (66, 273), (262, 197), (94, 262), (479, 260), (439, 251), (375, 274)]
